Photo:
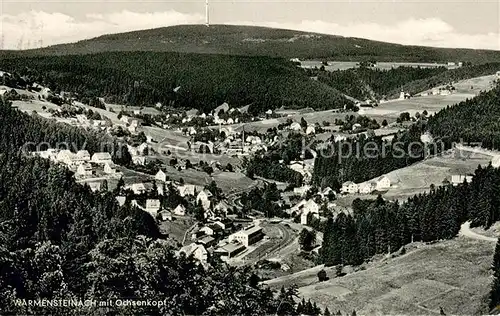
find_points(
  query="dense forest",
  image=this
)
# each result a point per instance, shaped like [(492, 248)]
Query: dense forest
[(262, 41), (379, 226), (368, 83), (202, 82), (472, 121), (59, 240)]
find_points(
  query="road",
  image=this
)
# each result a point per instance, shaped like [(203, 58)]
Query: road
[(467, 232)]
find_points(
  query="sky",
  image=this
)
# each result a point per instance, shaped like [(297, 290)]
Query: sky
[(463, 23)]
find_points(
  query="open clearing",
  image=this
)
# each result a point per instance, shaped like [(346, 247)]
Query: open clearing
[(418, 177), (453, 274)]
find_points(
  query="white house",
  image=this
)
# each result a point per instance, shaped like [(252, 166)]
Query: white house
[(84, 170), (108, 168), (349, 187), (153, 206), (121, 200), (203, 198), (180, 210), (495, 162), (310, 129), (187, 189), (301, 191), (66, 157), (295, 126), (197, 251), (139, 160), (305, 216), (102, 158), (383, 183), (309, 207), (95, 186), (161, 176), (459, 179), (137, 188), (367, 187), (82, 156)]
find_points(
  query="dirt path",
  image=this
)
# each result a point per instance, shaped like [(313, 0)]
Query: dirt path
[(467, 232)]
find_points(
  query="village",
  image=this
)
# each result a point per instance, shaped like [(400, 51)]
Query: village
[(192, 142)]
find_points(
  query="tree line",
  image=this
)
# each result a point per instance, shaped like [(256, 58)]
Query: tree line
[(202, 82)]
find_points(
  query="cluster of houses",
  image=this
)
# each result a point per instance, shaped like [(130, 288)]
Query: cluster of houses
[(309, 130), (217, 238), (381, 184), (83, 164)]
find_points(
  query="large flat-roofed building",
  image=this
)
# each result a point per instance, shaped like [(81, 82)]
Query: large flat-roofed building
[(229, 250), (247, 236)]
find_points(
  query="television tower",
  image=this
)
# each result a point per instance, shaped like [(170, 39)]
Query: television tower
[(207, 16)]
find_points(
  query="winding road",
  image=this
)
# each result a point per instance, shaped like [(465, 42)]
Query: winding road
[(467, 232)]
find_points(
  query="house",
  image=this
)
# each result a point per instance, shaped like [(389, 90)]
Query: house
[(459, 179), (161, 176), (310, 129), (95, 186), (207, 241), (383, 183), (247, 236), (225, 223), (84, 170), (295, 126), (165, 215), (327, 191), (102, 158), (152, 207), (108, 169), (196, 251), (187, 189), (367, 187), (304, 217), (349, 187), (301, 191), (137, 188), (203, 198), (211, 230), (229, 250), (222, 207), (180, 210), (309, 207), (139, 160), (66, 157), (82, 156), (121, 200), (495, 162), (47, 154)]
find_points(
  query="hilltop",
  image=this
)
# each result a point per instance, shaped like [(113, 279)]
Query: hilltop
[(262, 41)]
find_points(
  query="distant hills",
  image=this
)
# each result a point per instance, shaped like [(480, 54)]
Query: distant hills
[(178, 80), (262, 41)]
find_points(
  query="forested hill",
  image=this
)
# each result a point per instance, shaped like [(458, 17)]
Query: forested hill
[(261, 41), (203, 81), (366, 83)]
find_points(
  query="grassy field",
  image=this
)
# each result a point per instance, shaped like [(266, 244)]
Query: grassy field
[(452, 274), (417, 178)]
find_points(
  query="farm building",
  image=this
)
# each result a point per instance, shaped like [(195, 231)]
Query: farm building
[(383, 183), (349, 187)]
